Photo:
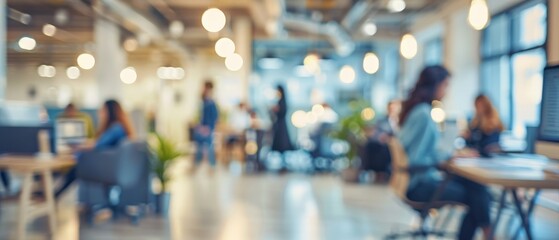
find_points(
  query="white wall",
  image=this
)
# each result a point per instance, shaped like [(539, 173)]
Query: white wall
[(148, 93)]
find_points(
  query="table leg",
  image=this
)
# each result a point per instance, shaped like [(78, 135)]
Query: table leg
[(523, 217), (529, 213), (499, 214), (24, 204), (50, 202)]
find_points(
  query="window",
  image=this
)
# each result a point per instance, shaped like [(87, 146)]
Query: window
[(513, 58)]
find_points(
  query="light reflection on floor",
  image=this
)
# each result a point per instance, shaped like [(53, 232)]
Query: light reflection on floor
[(232, 206)]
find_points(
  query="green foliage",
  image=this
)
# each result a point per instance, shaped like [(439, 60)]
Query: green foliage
[(164, 153), (351, 128)]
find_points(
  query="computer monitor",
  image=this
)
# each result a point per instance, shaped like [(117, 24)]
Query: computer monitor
[(548, 132), (70, 131)]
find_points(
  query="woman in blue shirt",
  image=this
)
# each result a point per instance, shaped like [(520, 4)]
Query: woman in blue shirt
[(114, 127), (419, 136)]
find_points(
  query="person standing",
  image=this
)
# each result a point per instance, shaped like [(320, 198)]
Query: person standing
[(204, 132), (281, 142)]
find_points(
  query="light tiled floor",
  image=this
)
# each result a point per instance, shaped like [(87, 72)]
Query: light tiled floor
[(230, 206)]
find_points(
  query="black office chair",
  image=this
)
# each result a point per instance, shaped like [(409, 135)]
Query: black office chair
[(399, 181)]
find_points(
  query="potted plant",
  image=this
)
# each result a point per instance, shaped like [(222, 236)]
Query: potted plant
[(352, 129), (164, 154)]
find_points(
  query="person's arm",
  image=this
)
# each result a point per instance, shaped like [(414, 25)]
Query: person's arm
[(110, 137), (213, 115)]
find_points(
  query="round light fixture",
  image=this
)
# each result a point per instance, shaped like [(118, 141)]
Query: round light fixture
[(128, 75), (86, 61), (213, 20), (176, 29), (478, 15), (369, 28), (396, 5), (27, 43), (131, 44), (234, 62), (371, 63), (318, 109), (73, 72), (49, 30), (312, 63), (224, 47), (47, 71), (347, 74), (408, 46)]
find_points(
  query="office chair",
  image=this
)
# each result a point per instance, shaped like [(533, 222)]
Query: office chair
[(399, 181)]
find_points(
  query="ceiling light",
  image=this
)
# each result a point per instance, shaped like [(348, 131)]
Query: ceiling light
[(128, 75), (86, 61), (369, 28), (312, 62), (478, 16), (49, 30), (27, 43), (371, 63), (73, 72), (408, 46), (213, 20), (170, 73), (224, 47), (130, 44), (234, 62), (176, 29), (47, 71), (347, 74), (61, 16), (396, 5)]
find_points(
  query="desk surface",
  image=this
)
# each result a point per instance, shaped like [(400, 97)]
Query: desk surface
[(34, 163), (513, 172)]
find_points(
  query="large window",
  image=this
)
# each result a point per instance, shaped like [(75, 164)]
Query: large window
[(513, 58)]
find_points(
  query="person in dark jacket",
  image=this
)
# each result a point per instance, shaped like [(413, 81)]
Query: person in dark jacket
[(205, 130), (281, 141)]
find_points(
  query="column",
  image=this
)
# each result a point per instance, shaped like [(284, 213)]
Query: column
[(553, 28), (3, 46), (242, 29), (110, 60)]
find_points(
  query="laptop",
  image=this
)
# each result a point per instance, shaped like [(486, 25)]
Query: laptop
[(70, 131)]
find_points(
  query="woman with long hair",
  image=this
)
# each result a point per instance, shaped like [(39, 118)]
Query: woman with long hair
[(114, 127), (419, 136), (485, 129), (281, 142)]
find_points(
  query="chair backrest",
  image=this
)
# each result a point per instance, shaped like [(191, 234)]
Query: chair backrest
[(400, 177)]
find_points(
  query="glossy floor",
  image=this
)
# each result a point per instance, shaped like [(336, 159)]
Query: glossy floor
[(233, 206)]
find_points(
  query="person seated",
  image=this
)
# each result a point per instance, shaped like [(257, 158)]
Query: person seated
[(485, 129), (376, 151), (419, 136), (114, 127), (71, 112)]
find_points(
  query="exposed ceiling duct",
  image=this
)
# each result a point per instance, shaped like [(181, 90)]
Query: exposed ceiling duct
[(136, 22), (335, 33), (355, 16)]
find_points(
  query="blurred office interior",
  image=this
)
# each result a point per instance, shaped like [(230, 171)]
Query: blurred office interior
[(263, 119)]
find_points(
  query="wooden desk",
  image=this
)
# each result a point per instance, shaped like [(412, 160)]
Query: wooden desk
[(511, 173), (28, 166)]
